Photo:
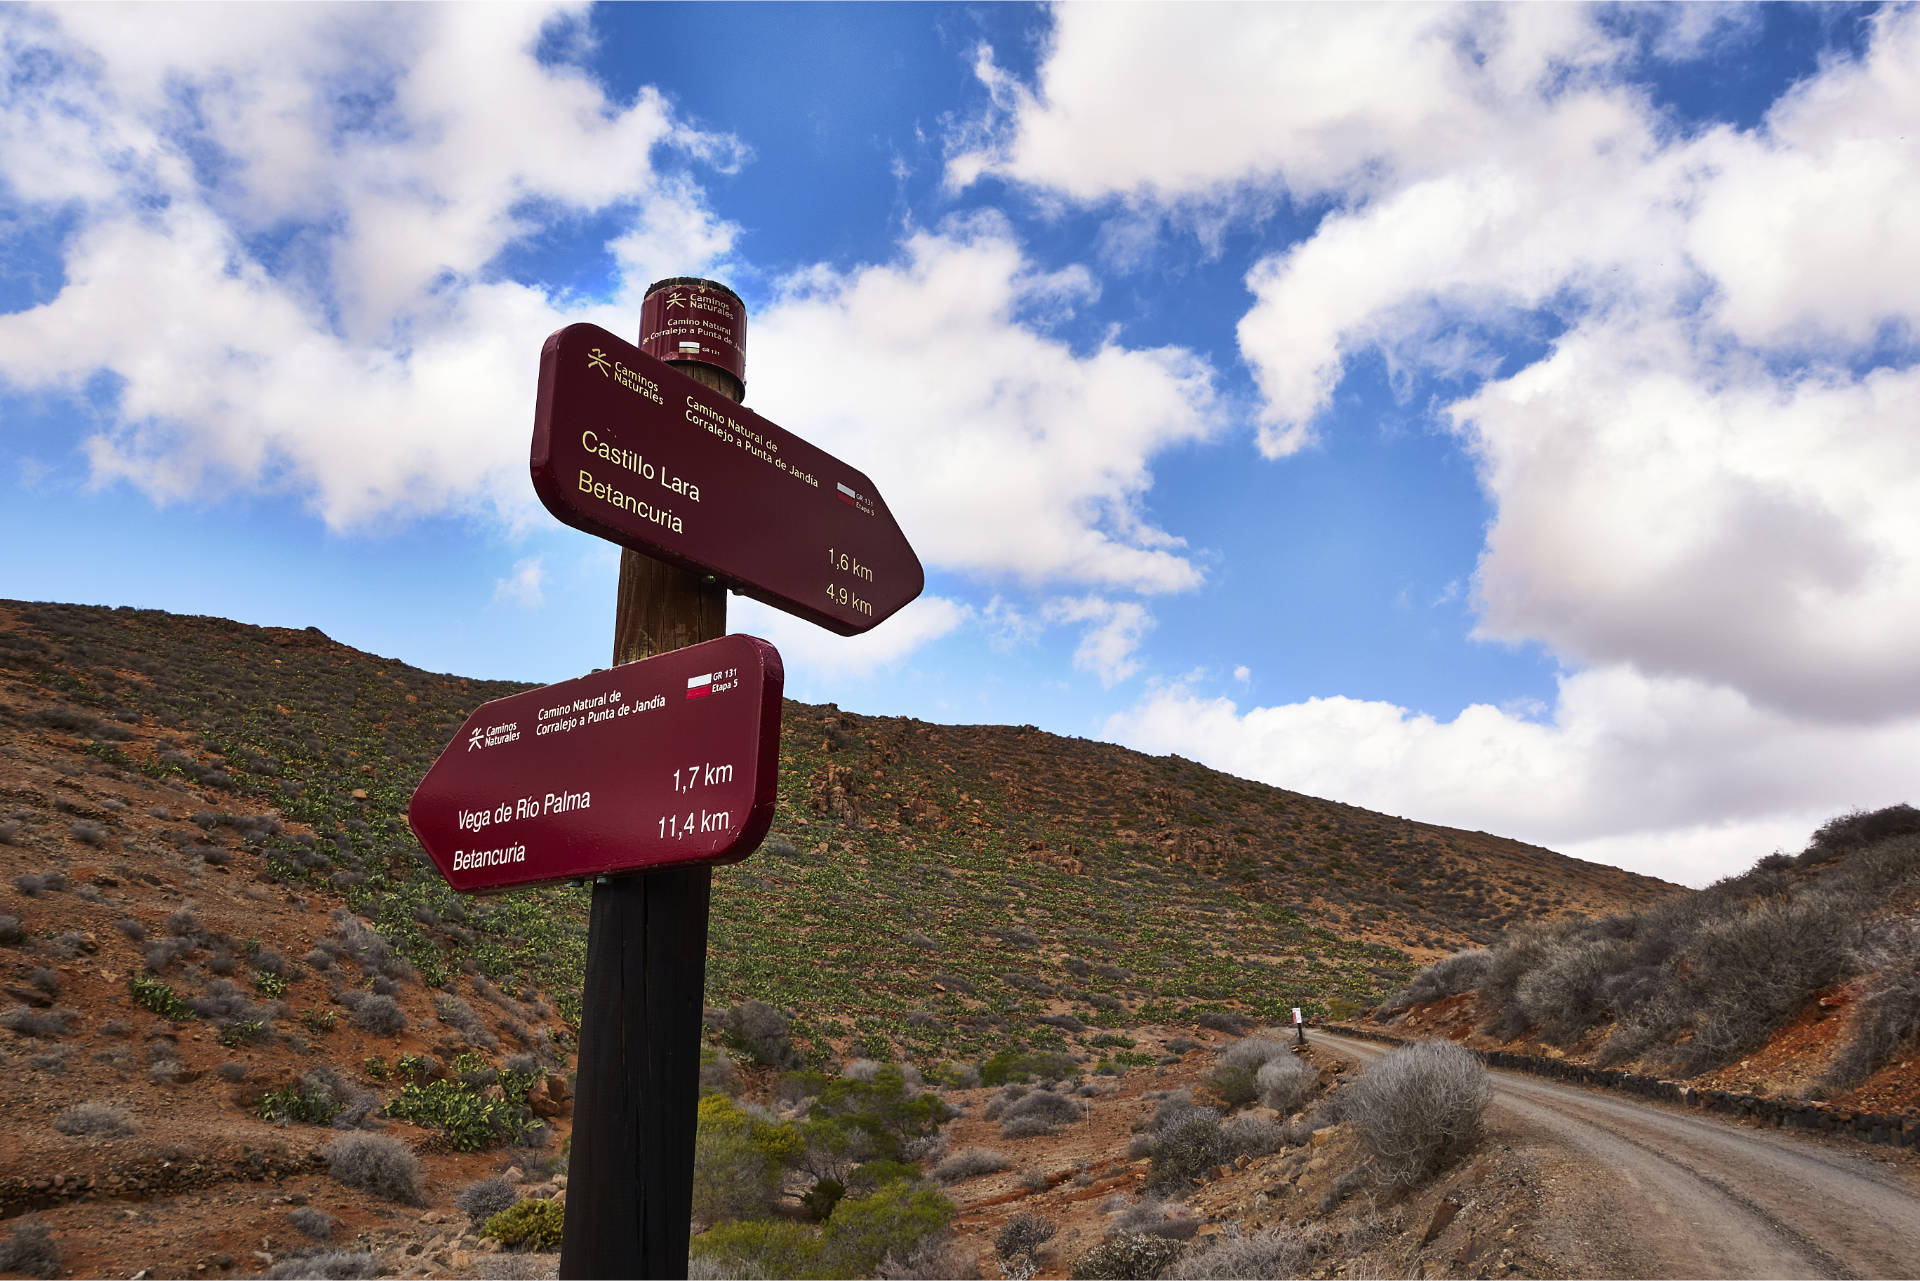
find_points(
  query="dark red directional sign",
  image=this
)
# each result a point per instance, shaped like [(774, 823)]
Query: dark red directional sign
[(633, 450), (668, 761)]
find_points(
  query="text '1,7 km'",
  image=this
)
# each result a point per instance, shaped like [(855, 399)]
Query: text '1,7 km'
[(666, 762), (630, 449)]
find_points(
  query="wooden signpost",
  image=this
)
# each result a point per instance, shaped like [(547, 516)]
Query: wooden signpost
[(643, 776)]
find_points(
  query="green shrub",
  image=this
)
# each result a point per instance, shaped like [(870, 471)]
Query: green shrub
[(738, 1161), (320, 1021), (240, 1031), (528, 1225), (269, 984), (1022, 1065), (159, 997), (1236, 1085), (882, 1109), (865, 1230), (761, 1247), (309, 1102), (468, 1118), (860, 1233), (820, 1199), (870, 1176)]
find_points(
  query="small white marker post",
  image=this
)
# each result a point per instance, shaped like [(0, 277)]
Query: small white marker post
[(1299, 1028)]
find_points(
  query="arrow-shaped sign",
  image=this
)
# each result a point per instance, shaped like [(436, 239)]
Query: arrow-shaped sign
[(668, 761), (630, 449)]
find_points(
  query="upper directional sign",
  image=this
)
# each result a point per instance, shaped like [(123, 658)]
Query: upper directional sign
[(633, 450), (669, 761)]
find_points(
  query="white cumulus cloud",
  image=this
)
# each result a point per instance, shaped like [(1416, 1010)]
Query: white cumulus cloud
[(1110, 641), (1687, 361), (285, 217), (1626, 765), (813, 654), (1001, 451), (523, 586)]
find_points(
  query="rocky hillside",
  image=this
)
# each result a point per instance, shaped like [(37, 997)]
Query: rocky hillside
[(968, 879), (216, 930), (1798, 978)]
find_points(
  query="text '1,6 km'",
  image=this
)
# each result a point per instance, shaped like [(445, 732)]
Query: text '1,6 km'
[(666, 762), (630, 449)]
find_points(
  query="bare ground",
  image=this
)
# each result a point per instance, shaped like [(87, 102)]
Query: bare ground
[(1643, 1189)]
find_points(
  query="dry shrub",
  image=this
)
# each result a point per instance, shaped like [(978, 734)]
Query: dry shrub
[(108, 1120), (1252, 1053), (380, 1015), (1184, 1151), (1748, 973), (1022, 1238), (1286, 1082), (1449, 976), (376, 1163), (28, 1022), (1151, 1216), (1419, 1108), (1566, 992), (1249, 1135), (312, 1222), (1237, 1258), (1858, 829), (762, 1033), (1886, 1018), (1128, 1256), (970, 1164), (1039, 1112), (328, 1265), (30, 1251)]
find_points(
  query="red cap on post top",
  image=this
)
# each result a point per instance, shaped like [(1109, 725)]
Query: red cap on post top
[(684, 319)]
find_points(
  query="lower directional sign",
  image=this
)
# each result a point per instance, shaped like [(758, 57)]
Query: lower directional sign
[(661, 763)]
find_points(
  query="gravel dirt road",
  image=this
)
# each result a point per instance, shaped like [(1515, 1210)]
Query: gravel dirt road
[(1642, 1189)]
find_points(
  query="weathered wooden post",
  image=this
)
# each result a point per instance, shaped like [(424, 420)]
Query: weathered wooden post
[(649, 447), (630, 1171)]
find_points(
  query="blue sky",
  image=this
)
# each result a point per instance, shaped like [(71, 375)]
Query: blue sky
[(1499, 416)]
